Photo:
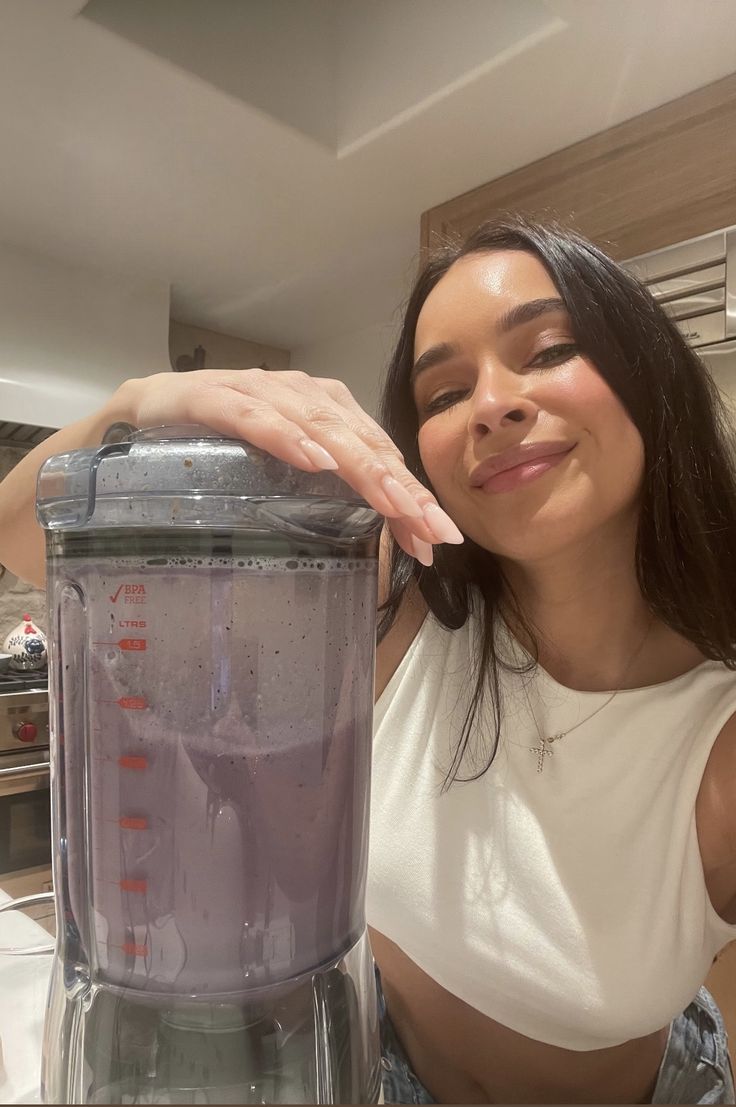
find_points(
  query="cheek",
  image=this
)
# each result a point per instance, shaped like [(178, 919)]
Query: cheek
[(442, 443), (616, 450), (602, 411)]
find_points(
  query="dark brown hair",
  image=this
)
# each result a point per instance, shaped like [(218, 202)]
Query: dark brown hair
[(686, 542)]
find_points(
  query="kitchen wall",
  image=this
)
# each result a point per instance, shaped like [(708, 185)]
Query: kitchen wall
[(197, 348), (71, 335), (359, 358)]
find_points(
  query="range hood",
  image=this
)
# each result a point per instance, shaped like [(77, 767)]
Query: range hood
[(71, 336), (22, 435), (695, 282)]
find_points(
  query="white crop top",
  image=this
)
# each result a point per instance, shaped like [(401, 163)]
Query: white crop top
[(569, 905)]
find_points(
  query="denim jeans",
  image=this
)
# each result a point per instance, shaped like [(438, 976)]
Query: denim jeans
[(695, 1067)]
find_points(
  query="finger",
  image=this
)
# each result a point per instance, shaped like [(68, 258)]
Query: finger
[(231, 411), (295, 418), (438, 526), (236, 414), (412, 545), (367, 459), (366, 428), (418, 549), (363, 454)]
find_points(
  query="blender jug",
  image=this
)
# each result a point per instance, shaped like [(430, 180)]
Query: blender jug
[(212, 630)]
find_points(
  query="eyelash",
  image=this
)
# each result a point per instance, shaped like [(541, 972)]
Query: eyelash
[(550, 356)]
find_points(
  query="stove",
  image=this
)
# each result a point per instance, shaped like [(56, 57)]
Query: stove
[(24, 680), (25, 835), (24, 713)]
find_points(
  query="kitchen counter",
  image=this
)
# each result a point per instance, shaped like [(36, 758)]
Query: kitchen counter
[(23, 987)]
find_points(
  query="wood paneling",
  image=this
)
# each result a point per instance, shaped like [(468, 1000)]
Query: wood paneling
[(662, 177)]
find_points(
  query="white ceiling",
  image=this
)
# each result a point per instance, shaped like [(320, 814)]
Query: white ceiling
[(271, 158)]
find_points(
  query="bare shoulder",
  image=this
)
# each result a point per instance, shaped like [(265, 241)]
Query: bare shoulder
[(409, 619), (716, 821)]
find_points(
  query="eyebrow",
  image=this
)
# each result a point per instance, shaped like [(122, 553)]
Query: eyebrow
[(524, 313), (514, 317)]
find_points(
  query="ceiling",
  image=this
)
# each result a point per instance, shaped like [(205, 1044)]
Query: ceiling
[(270, 159)]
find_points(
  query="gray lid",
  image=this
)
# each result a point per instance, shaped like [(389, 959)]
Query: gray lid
[(191, 477)]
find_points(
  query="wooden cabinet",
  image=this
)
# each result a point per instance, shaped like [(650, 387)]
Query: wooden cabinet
[(664, 176)]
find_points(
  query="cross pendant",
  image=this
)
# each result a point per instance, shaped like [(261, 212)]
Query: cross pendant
[(543, 749)]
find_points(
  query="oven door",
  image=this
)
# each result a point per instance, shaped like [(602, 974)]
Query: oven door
[(25, 816)]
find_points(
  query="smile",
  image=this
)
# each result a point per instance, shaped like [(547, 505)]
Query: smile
[(519, 467)]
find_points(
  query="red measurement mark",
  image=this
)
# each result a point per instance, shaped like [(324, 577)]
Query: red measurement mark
[(129, 823), (131, 703), (130, 762), (133, 885), (134, 950), (132, 643)]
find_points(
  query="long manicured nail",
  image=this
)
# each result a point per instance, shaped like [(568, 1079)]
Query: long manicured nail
[(441, 525), (422, 551), (317, 454), (402, 500)]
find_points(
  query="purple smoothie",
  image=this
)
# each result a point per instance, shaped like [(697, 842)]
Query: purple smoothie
[(229, 710)]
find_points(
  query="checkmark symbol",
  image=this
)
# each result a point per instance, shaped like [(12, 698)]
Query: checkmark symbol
[(114, 599)]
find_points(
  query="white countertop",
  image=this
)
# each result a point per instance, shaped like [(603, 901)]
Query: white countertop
[(23, 987)]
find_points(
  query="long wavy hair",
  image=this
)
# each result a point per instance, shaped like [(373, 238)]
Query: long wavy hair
[(686, 540)]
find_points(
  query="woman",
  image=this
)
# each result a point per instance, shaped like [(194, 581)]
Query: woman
[(553, 857)]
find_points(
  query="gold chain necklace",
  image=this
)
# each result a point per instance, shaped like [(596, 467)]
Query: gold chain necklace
[(545, 742)]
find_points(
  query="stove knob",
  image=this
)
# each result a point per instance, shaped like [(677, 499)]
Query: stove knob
[(25, 732)]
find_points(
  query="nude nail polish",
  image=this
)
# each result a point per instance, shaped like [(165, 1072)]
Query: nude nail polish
[(441, 525), (402, 500)]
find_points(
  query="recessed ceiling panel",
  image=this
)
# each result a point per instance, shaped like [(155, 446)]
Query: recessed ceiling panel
[(338, 71), (278, 56)]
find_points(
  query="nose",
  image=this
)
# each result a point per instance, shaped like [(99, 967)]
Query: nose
[(499, 401)]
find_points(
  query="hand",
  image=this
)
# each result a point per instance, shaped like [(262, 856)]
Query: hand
[(312, 423)]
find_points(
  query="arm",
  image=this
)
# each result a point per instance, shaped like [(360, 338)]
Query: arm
[(22, 546), (310, 422), (716, 822)]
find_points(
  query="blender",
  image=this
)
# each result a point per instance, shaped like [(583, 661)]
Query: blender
[(212, 636)]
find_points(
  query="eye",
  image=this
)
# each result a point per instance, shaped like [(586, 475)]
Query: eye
[(442, 402), (555, 355)]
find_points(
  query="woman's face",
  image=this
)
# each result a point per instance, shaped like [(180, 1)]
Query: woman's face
[(526, 446)]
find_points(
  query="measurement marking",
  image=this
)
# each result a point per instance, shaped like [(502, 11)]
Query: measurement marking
[(134, 950), (132, 703), (138, 644), (127, 822), (129, 762), (132, 885), (128, 703)]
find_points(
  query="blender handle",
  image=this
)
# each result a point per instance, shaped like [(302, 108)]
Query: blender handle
[(18, 905)]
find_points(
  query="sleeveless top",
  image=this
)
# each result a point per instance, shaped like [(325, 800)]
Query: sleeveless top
[(569, 905)]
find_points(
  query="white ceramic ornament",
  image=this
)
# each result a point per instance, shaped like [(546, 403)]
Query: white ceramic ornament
[(27, 646)]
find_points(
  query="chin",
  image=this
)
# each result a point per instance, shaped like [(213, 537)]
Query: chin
[(537, 536)]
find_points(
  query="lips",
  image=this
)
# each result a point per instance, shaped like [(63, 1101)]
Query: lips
[(518, 455)]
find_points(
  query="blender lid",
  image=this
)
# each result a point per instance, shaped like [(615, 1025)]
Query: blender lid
[(192, 476)]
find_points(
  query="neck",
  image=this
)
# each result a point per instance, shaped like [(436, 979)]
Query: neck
[(585, 610)]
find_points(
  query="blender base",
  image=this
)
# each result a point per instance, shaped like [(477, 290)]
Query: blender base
[(310, 1040)]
